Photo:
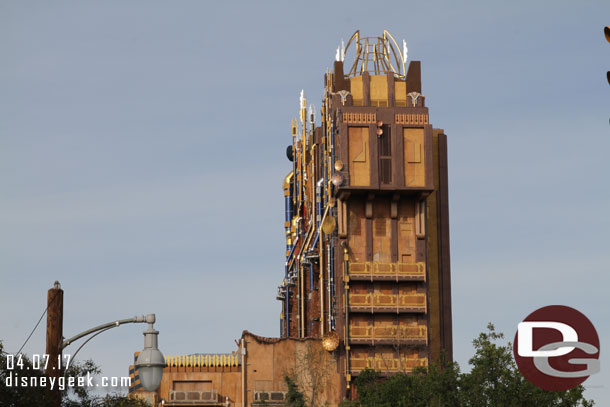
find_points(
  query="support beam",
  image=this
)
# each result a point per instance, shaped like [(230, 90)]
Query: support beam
[(55, 315)]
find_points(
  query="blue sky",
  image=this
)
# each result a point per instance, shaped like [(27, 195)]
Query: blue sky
[(142, 153)]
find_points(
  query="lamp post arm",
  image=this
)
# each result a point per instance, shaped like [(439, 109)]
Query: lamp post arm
[(80, 347), (150, 319)]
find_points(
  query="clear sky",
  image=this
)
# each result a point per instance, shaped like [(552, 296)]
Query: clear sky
[(142, 149)]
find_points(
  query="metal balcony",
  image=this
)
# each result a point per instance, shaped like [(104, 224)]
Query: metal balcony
[(375, 271), (388, 335), (386, 365), (384, 303)]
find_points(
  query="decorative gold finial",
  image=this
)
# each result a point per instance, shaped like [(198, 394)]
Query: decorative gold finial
[(378, 55), (330, 341)]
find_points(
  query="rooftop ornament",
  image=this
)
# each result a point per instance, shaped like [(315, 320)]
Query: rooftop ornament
[(377, 55)]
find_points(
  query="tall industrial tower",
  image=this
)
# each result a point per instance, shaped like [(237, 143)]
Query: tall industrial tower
[(367, 221)]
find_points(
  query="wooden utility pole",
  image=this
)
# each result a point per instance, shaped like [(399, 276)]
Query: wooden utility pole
[(55, 317)]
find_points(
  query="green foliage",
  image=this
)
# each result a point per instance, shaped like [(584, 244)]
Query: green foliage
[(13, 396), (36, 396), (119, 401), (494, 381), (80, 396), (311, 375), (294, 397), (434, 387)]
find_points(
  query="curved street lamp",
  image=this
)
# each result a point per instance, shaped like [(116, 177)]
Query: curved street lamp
[(150, 362)]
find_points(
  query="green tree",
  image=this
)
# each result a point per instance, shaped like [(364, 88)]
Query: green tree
[(311, 375), (36, 396), (294, 397), (433, 387), (494, 381), (12, 395)]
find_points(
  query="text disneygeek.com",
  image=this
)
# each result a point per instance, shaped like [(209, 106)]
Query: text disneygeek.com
[(61, 383)]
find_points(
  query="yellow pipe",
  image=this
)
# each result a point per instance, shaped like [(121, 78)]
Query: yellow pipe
[(302, 302), (321, 290), (346, 282), (244, 391)]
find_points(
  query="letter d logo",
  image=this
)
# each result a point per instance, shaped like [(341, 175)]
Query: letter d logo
[(556, 348), (525, 334)]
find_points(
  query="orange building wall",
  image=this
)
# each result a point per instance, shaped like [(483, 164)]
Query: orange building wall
[(267, 361)]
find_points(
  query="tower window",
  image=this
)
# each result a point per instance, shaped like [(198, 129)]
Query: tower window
[(385, 155)]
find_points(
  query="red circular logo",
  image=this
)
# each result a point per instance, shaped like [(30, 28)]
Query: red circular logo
[(556, 348)]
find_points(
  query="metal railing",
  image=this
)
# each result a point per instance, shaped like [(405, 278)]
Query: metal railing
[(411, 271), (387, 300), (387, 364), (389, 332)]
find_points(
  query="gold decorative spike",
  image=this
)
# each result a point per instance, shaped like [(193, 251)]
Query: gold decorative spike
[(294, 127), (303, 105)]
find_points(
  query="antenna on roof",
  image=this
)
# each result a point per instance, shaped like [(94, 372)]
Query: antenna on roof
[(340, 54)]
